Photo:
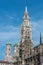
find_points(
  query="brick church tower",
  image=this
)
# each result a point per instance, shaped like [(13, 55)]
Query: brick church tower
[(8, 52)]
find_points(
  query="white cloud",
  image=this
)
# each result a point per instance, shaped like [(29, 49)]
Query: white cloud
[(9, 33), (37, 27), (10, 17)]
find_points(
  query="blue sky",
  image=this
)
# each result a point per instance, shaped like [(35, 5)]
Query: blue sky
[(11, 13)]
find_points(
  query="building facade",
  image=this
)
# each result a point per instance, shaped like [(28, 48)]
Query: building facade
[(25, 53), (30, 55)]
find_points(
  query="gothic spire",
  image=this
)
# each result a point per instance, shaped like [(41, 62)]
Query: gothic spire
[(26, 9), (40, 38), (26, 14)]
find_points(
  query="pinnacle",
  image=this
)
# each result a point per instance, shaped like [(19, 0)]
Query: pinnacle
[(26, 9)]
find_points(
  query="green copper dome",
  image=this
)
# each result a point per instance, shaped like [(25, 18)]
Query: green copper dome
[(8, 43)]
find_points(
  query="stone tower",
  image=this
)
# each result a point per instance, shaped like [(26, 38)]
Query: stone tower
[(8, 52), (26, 43)]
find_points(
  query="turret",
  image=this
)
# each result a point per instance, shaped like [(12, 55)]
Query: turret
[(16, 52)]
